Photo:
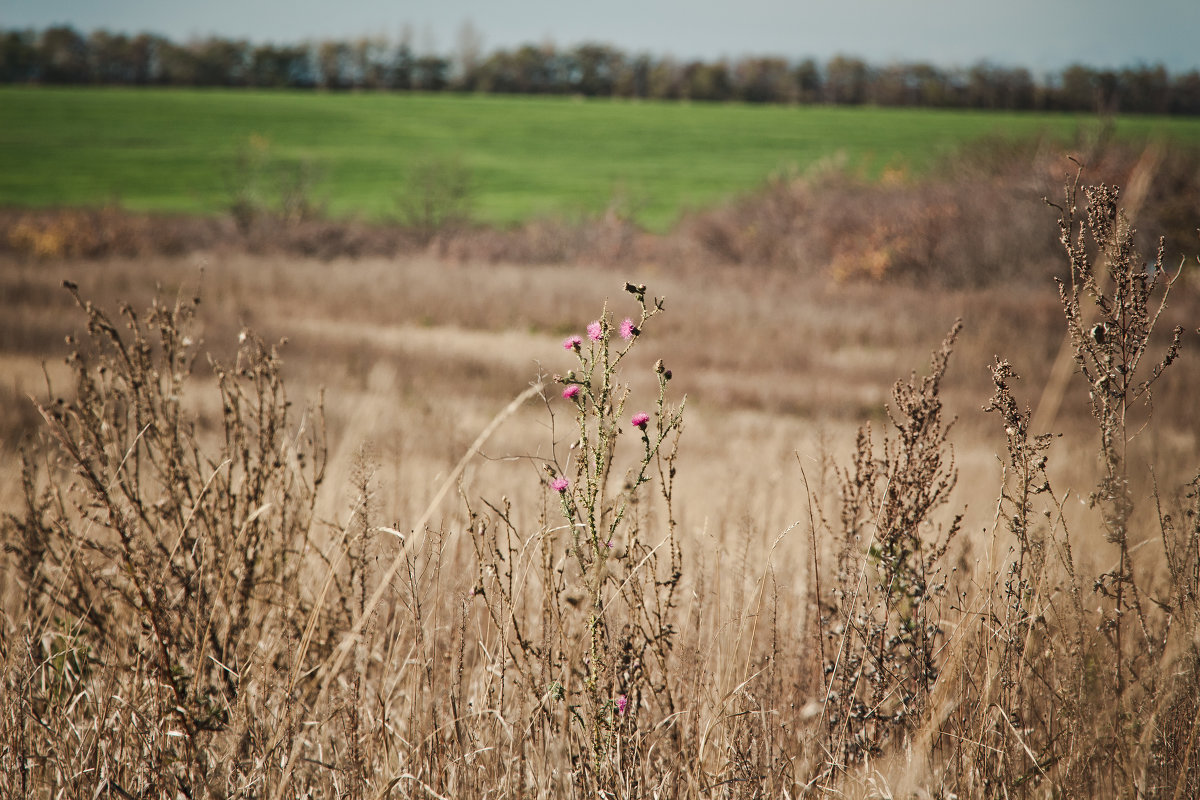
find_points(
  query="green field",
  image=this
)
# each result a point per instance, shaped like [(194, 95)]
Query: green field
[(177, 150)]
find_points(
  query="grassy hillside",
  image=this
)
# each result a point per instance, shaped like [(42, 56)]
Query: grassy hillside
[(179, 151)]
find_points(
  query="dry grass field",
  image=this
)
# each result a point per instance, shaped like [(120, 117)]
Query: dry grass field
[(416, 356), (774, 614)]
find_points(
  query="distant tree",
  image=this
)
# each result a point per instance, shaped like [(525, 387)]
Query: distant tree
[(143, 58), (18, 56), (267, 68), (430, 73), (529, 70), (63, 56), (494, 74), (763, 80), (846, 80), (400, 72), (371, 62), (177, 65), (1020, 90), (981, 89), (929, 86), (918, 84), (665, 81), (279, 66), (592, 69), (119, 59), (1077, 89), (889, 87), (104, 57), (806, 77), (633, 79), (1106, 91), (204, 62), (1185, 93), (991, 86), (221, 62), (705, 81), (334, 70), (1144, 89)]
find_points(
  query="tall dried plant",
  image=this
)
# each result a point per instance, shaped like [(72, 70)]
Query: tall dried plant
[(162, 562)]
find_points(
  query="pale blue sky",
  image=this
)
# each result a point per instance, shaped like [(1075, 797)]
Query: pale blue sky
[(1039, 34)]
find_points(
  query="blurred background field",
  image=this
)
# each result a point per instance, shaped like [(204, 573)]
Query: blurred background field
[(353, 155)]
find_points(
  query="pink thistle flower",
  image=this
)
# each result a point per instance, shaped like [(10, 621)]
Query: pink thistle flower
[(639, 420), (559, 484), (572, 343), (609, 544), (628, 329), (595, 331), (571, 391), (622, 702)]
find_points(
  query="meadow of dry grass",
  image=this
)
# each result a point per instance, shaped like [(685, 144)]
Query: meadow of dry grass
[(425, 644), (420, 353)]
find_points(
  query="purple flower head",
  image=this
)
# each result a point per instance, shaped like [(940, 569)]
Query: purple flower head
[(572, 343), (628, 329), (595, 331), (559, 484), (639, 420), (609, 544), (570, 391), (622, 702)]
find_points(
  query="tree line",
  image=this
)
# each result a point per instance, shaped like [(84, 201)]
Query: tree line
[(61, 55)]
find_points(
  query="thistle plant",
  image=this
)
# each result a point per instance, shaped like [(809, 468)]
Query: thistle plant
[(599, 656), (600, 402), (596, 515)]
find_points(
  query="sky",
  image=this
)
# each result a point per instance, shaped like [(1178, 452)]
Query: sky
[(1042, 35)]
